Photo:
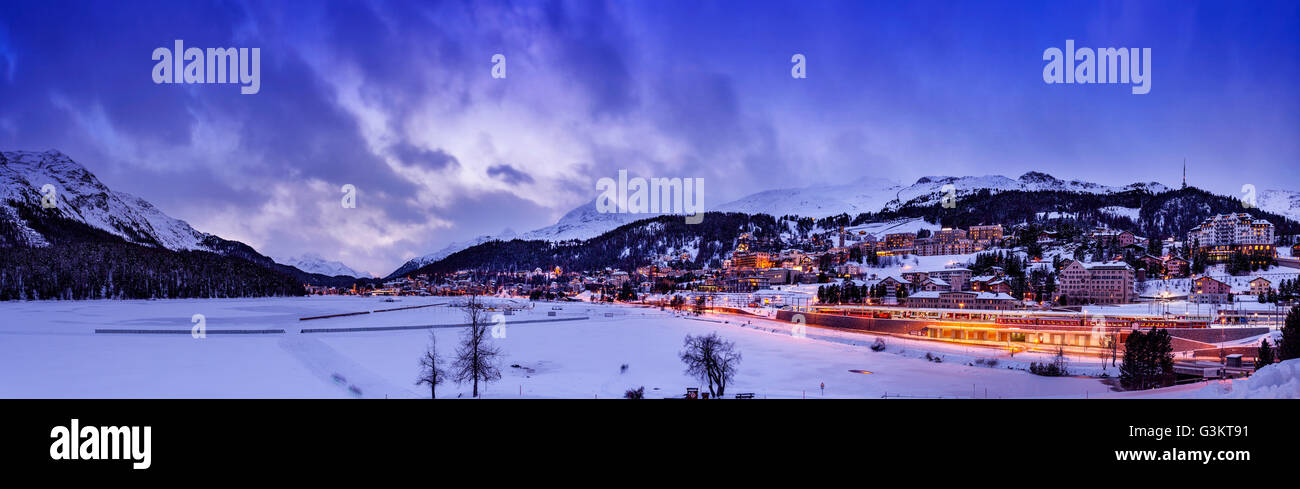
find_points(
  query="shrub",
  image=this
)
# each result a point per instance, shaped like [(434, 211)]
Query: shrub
[(879, 345), (1057, 368)]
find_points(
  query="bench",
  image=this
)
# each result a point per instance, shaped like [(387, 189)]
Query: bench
[(744, 395)]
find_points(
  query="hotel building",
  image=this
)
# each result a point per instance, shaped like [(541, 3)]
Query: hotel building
[(1223, 235)]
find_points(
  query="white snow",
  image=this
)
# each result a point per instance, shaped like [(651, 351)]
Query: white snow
[(1276, 381), (1130, 212), (880, 229), (49, 349), (1282, 202), (863, 195)]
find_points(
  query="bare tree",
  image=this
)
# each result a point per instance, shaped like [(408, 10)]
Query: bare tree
[(431, 371), (711, 359), (476, 357)]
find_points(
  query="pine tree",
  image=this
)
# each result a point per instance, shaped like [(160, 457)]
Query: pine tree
[(1289, 347), (1148, 360), (1265, 356)]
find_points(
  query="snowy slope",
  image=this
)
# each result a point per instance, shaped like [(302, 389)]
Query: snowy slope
[(1133, 213), (446, 251), (1281, 202), (1277, 381), (584, 222), (314, 263), (929, 190), (880, 229), (862, 195), (875, 195), (83, 198)]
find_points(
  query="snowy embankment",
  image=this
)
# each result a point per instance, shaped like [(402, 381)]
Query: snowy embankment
[(1276, 381)]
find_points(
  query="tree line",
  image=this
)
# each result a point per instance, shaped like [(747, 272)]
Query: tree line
[(108, 270)]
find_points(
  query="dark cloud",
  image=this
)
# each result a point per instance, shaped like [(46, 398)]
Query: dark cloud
[(509, 174), (595, 52), (423, 158)]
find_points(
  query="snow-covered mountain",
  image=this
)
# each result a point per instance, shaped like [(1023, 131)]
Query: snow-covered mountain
[(583, 222), (929, 190), (875, 195), (83, 198), (314, 263), (863, 195), (1281, 202), (80, 197), (446, 251)]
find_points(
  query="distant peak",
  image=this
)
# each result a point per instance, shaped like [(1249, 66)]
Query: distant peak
[(49, 154), (934, 179), (1035, 176)]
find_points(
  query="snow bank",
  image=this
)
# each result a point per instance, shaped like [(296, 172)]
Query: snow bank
[(1276, 381)]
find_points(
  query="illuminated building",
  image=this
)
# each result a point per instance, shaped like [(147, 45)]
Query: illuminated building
[(1224, 235), (1097, 283)]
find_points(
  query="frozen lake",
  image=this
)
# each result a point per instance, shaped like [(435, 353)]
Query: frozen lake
[(50, 349)]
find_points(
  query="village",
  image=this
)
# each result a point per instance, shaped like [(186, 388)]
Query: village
[(1229, 263)]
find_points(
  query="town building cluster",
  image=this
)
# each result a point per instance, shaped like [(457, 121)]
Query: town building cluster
[(847, 267)]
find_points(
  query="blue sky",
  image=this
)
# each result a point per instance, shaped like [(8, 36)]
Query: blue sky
[(396, 98)]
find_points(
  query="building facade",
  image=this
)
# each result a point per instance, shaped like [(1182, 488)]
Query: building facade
[(1208, 290), (988, 235), (898, 244), (1223, 235), (957, 278), (1260, 285), (960, 300), (1097, 283), (757, 259)]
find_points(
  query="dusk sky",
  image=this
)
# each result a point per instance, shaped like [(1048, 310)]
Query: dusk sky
[(397, 99)]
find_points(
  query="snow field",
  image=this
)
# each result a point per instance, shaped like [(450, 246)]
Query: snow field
[(49, 349)]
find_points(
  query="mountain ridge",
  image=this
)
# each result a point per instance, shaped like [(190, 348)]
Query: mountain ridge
[(81, 199), (866, 194)]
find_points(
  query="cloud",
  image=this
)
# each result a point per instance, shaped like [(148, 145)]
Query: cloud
[(396, 98), (509, 174)]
